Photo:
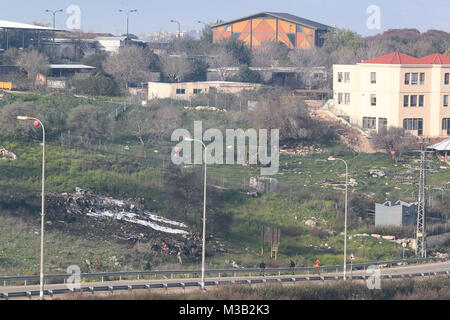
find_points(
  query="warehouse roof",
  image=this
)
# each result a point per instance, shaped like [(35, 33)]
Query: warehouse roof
[(441, 146), (70, 66), (282, 16), (17, 25)]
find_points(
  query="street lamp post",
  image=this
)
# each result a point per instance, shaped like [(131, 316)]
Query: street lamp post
[(38, 122), (179, 27), (204, 212), (346, 208), (128, 17), (54, 12)]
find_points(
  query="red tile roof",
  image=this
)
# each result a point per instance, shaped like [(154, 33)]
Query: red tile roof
[(401, 58), (394, 58), (436, 58)]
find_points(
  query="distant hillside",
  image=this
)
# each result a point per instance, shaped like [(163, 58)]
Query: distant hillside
[(411, 41)]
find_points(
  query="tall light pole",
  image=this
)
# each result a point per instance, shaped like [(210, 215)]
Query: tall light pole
[(204, 212), (331, 158), (54, 12), (38, 123), (128, 17), (179, 27)]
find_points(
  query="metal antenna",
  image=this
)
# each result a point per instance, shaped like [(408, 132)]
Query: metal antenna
[(420, 231)]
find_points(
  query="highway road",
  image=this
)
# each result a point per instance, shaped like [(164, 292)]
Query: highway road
[(415, 270)]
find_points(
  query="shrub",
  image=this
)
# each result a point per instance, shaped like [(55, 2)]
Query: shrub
[(96, 86)]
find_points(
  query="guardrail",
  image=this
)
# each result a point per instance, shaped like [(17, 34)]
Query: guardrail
[(183, 285), (219, 272)]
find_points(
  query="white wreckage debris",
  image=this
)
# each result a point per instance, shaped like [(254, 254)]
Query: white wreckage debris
[(7, 154), (85, 203)]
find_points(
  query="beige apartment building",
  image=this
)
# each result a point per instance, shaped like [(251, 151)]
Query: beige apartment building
[(395, 90)]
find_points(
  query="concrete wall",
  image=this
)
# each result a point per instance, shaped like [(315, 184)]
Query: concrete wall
[(185, 90)]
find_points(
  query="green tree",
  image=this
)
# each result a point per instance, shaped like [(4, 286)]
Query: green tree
[(247, 75), (238, 49), (342, 38)]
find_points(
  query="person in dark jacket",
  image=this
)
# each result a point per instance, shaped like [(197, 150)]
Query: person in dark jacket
[(262, 266), (292, 266)]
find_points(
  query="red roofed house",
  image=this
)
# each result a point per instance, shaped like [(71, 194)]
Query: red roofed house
[(396, 90)]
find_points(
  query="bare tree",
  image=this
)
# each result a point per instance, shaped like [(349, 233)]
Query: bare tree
[(269, 54), (308, 58), (150, 125), (176, 68), (33, 63), (222, 60), (129, 65), (89, 123), (309, 61), (371, 49), (394, 139)]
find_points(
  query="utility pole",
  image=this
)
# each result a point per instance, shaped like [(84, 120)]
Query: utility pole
[(127, 12), (421, 249), (54, 12)]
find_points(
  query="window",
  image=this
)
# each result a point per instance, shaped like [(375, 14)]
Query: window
[(413, 101), (373, 99), (181, 91), (446, 100), (373, 77), (414, 78), (415, 124), (421, 100), (339, 98), (407, 75), (347, 98), (406, 101), (422, 78), (197, 91), (346, 77), (382, 124), (446, 125), (340, 77), (369, 123), (447, 78)]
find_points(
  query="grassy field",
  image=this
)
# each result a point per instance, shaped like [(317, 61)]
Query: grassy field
[(126, 173)]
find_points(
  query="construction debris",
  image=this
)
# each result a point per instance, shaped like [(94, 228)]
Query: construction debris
[(7, 154)]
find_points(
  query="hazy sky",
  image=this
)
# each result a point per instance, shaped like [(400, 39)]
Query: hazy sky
[(155, 15)]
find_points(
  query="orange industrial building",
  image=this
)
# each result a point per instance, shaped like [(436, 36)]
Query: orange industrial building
[(293, 31)]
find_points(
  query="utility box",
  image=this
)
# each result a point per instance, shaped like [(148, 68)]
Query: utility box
[(264, 184), (398, 213)]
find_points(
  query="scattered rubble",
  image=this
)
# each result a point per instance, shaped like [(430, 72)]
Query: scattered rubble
[(300, 150), (376, 173), (205, 108), (7, 154), (311, 223)]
